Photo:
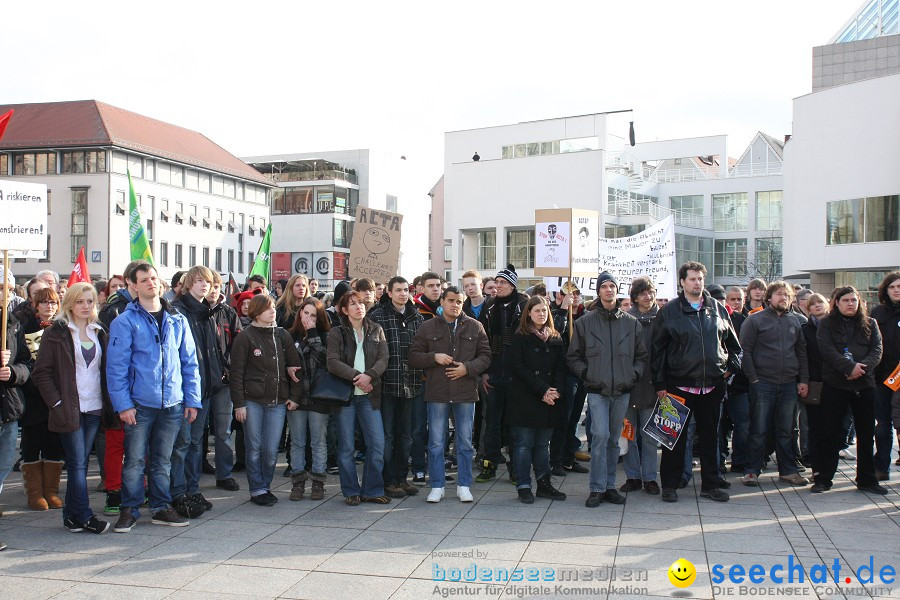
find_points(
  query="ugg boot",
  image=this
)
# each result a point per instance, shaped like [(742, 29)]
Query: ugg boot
[(318, 486), (33, 473), (298, 485), (52, 473)]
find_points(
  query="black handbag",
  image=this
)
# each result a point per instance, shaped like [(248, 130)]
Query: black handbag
[(330, 389)]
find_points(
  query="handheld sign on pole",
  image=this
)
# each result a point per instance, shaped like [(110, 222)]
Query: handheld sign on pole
[(375, 249)]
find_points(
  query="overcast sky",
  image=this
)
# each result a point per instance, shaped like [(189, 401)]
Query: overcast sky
[(264, 77)]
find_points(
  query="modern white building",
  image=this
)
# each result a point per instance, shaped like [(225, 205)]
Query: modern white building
[(201, 205), (842, 221), (315, 202)]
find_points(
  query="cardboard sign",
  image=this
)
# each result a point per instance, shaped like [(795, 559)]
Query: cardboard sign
[(375, 248), (565, 242), (668, 420), (23, 216), (650, 253), (585, 241)]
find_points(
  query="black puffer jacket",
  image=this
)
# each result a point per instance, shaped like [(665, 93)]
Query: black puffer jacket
[(12, 403), (837, 332), (203, 326)]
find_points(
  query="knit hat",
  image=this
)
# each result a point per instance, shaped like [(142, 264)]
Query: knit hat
[(603, 278), (509, 274), (239, 299), (339, 290), (716, 291)]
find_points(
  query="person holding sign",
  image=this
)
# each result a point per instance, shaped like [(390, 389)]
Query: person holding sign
[(695, 351), (608, 352)]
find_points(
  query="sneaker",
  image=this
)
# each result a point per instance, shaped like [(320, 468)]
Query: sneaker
[(613, 497), (576, 467), (126, 521), (846, 454), (723, 484), (715, 494), (525, 495), (378, 499), (419, 479), (435, 495), (199, 499), (333, 470), (352, 500), (750, 480), (394, 491), (583, 456), (72, 525), (464, 493), (819, 488), (95, 525), (795, 479), (169, 517), (873, 488), (228, 484), (669, 495), (558, 472), (683, 483), (113, 499), (631, 485), (2, 546), (408, 488), (651, 487), (594, 499), (449, 478), (488, 472), (261, 500), (186, 507)]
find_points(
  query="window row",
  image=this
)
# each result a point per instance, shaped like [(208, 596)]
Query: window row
[(552, 147), (519, 249), (318, 199), (191, 217), (178, 258), (861, 220), (732, 259)]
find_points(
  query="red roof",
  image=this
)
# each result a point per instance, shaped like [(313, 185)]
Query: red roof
[(93, 123)]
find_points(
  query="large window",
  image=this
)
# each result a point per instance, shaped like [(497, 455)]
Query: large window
[(730, 211), (768, 210), (487, 250), (231, 261), (192, 256), (92, 161), (730, 258), (520, 248), (767, 262), (178, 257), (342, 233), (692, 247), (163, 254), (875, 219), (391, 203), (866, 282), (219, 260), (79, 220), (611, 231), (691, 205), (34, 163)]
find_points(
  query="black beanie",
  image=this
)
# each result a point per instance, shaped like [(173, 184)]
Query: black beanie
[(603, 278)]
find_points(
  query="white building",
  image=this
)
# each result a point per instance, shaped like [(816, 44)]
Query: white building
[(842, 221), (314, 206), (201, 204)]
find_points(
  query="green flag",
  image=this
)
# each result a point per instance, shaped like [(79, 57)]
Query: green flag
[(140, 248), (261, 263)]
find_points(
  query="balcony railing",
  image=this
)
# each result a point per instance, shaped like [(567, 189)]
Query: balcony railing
[(321, 175), (622, 208), (757, 170)]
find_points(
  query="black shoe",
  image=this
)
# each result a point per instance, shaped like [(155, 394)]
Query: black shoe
[(207, 468), (287, 471), (652, 488), (594, 499), (448, 477), (546, 490), (873, 488), (168, 517), (724, 485), (631, 485), (18, 466), (262, 500), (558, 472), (72, 525), (272, 497), (239, 467), (126, 521), (669, 495), (801, 468), (683, 484), (199, 499), (715, 494), (525, 496), (819, 488), (576, 467), (95, 525), (186, 507), (419, 479), (804, 460), (613, 497), (228, 484)]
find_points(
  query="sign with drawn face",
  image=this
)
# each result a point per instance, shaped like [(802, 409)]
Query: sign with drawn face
[(375, 248)]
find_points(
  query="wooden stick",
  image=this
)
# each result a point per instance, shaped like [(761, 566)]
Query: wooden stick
[(571, 323), (5, 304)]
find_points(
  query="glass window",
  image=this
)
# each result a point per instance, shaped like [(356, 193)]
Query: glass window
[(325, 199), (206, 256), (149, 169), (79, 220), (230, 261), (768, 210), (136, 165), (883, 219), (767, 262), (164, 254), (391, 203), (218, 185), (520, 248), (204, 182), (342, 233), (354, 201), (845, 222), (192, 256), (730, 258), (506, 152), (448, 253), (340, 200), (4, 164), (866, 282), (487, 250), (730, 211), (240, 262), (178, 255), (218, 259), (228, 185), (191, 179)]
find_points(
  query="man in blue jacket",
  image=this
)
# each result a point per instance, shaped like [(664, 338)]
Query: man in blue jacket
[(154, 382)]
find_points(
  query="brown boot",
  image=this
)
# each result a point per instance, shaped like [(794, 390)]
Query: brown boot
[(298, 485), (318, 486), (33, 474), (52, 473)]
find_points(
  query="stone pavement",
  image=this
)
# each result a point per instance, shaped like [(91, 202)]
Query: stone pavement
[(323, 550)]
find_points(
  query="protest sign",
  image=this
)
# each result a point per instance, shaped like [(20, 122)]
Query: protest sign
[(375, 249), (565, 242), (668, 420), (23, 216), (650, 253)]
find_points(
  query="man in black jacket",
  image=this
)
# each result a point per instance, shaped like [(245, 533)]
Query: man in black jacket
[(695, 351)]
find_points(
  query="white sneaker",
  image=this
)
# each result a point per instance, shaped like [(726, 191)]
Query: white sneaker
[(464, 494), (435, 495)]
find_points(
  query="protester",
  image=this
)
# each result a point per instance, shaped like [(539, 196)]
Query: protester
[(756, 294), (817, 309), (288, 304), (887, 315)]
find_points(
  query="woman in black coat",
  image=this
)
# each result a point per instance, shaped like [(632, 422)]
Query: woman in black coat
[(817, 308), (539, 373)]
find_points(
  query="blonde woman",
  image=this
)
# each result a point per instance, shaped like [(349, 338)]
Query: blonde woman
[(288, 305), (70, 373)]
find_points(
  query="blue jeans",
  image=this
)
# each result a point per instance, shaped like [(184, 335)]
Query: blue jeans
[(187, 454), (607, 414), (738, 406), (262, 432), (77, 446), (153, 434), (530, 448), (396, 413), (780, 400), (419, 433), (221, 409), (640, 462), (464, 421), (884, 429), (8, 432), (361, 410), (317, 424)]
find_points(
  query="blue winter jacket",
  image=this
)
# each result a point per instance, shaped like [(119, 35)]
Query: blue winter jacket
[(142, 369)]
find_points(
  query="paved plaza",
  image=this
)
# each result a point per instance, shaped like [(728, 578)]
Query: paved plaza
[(322, 550)]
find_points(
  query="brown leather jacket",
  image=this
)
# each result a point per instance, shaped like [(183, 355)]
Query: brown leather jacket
[(342, 351), (260, 357)]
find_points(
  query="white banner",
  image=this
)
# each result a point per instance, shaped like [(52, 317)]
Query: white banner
[(586, 285), (650, 253), (23, 216)]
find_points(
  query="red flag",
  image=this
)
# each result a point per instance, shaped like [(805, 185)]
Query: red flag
[(4, 121), (80, 270)]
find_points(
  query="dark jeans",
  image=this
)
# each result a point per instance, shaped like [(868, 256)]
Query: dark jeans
[(396, 415), (77, 445), (494, 405), (815, 438), (772, 403), (564, 442), (834, 409), (530, 448), (738, 406), (187, 454), (419, 434), (154, 435), (884, 429), (705, 410)]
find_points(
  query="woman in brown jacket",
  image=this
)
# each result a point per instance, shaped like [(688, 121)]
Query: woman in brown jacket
[(263, 380), (70, 374)]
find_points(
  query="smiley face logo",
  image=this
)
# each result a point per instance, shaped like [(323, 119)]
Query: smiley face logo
[(682, 573), (377, 241)]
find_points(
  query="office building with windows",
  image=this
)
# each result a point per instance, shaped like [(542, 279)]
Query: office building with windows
[(200, 204)]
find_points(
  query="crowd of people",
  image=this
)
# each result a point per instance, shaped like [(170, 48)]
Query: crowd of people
[(418, 380)]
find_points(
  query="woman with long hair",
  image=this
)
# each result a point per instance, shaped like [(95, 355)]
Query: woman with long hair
[(288, 304), (358, 353), (310, 334), (70, 373), (850, 344), (115, 283), (538, 375)]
